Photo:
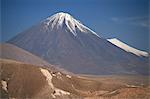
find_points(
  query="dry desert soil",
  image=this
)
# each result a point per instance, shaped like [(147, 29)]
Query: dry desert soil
[(25, 81)]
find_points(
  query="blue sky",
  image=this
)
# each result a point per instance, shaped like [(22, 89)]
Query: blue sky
[(126, 20)]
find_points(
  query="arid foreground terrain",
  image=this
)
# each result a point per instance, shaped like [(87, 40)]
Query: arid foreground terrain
[(23, 81)]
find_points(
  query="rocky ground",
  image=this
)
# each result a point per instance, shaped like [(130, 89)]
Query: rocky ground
[(23, 81)]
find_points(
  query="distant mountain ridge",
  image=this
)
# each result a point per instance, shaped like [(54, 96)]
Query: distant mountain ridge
[(12, 52), (127, 48), (9, 51), (63, 41)]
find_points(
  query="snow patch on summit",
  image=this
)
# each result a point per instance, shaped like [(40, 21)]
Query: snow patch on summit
[(57, 20)]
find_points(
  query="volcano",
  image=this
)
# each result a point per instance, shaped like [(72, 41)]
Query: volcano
[(64, 41)]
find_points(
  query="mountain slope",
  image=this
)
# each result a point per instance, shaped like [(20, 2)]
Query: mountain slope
[(127, 48), (9, 51), (63, 41)]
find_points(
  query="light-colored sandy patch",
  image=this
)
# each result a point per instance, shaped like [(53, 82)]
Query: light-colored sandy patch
[(61, 92), (113, 92), (58, 73), (98, 93), (53, 75), (12, 98), (132, 86), (4, 85), (68, 76), (53, 95), (48, 76)]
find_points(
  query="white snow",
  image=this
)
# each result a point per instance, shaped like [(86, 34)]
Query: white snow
[(127, 47), (72, 24), (4, 85), (49, 77)]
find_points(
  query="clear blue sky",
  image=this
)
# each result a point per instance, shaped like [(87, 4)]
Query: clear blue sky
[(126, 20)]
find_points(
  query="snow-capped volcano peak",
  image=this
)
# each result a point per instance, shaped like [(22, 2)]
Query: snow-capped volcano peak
[(60, 19)]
